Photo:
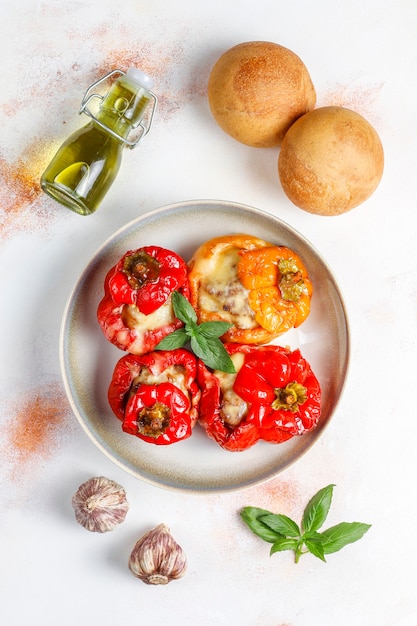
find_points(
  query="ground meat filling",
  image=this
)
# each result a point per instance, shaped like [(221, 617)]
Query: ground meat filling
[(232, 408)]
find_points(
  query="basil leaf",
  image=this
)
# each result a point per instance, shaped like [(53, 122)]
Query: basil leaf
[(315, 536), (282, 524), (317, 509), (288, 536), (177, 339), (339, 536), (252, 516), (284, 543), (204, 338), (191, 329), (213, 329), (183, 309), (316, 548), (212, 352)]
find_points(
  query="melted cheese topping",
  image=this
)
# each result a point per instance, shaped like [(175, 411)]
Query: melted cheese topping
[(174, 374), (142, 324), (221, 290), (134, 319)]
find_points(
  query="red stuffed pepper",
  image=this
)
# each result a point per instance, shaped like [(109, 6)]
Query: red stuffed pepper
[(156, 395), (136, 313), (273, 396)]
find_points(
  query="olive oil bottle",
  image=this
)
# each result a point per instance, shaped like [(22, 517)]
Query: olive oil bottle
[(86, 164)]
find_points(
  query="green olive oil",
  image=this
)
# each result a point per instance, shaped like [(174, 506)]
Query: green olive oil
[(83, 169)]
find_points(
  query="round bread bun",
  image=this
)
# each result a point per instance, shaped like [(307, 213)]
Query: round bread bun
[(256, 90), (331, 160)]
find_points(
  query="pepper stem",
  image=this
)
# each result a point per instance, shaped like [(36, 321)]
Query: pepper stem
[(140, 268), (289, 398), (292, 285)]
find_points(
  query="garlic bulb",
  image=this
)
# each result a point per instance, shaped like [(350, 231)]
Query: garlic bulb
[(100, 504), (156, 558)]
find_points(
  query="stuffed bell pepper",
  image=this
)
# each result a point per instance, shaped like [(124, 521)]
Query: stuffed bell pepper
[(263, 290), (156, 396), (273, 396), (136, 313)]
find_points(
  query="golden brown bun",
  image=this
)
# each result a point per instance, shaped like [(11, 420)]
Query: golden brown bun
[(331, 160), (257, 89)]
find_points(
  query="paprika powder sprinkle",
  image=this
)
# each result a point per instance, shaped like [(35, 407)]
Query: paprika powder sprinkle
[(38, 421), (18, 192)]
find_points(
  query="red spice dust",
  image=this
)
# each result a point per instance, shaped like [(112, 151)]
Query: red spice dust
[(19, 194), (358, 98), (34, 427), (278, 496), (162, 64), (18, 186)]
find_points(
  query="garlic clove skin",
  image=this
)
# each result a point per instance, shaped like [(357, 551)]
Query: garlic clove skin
[(157, 559), (100, 504)]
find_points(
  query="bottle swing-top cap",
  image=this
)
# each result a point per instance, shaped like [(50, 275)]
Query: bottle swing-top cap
[(140, 77)]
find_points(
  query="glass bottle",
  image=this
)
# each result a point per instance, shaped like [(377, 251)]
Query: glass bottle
[(86, 164)]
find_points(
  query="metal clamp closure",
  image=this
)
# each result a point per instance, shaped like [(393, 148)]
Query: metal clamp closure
[(144, 125)]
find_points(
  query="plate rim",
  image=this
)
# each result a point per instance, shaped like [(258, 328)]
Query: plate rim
[(153, 214)]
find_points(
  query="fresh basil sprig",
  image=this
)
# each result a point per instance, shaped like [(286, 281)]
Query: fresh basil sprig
[(204, 338), (285, 534)]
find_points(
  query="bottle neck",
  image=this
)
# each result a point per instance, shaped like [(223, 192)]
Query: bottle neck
[(123, 107)]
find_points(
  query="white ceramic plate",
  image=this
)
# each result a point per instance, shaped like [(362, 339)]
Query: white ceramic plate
[(88, 359)]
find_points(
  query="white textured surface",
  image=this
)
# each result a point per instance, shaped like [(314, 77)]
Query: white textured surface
[(360, 54)]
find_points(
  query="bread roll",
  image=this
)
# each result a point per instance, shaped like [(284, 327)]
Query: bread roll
[(331, 160), (257, 89)]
